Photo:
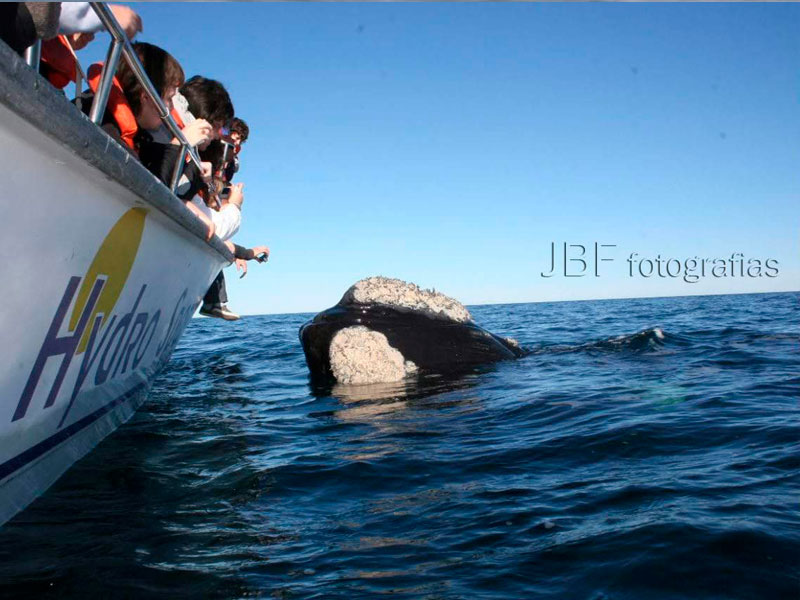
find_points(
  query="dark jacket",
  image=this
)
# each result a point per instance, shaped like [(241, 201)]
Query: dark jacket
[(156, 157)]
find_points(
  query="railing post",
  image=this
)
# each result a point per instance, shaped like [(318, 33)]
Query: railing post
[(78, 88), (33, 54), (106, 79), (177, 170)]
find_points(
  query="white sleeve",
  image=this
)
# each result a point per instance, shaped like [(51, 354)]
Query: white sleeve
[(78, 17), (226, 221)]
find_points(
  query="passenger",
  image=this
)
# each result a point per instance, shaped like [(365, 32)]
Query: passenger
[(229, 215), (133, 119), (215, 302), (239, 134), (63, 29), (129, 109), (207, 100)]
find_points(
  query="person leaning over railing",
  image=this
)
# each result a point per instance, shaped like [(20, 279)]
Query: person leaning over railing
[(129, 111), (215, 300), (239, 132), (238, 136), (63, 27), (207, 101), (207, 98), (133, 120), (215, 154)]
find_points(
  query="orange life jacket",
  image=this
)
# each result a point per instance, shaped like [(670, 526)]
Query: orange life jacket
[(117, 105), (58, 57)]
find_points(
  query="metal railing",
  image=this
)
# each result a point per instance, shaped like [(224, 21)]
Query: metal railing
[(121, 48), (33, 54)]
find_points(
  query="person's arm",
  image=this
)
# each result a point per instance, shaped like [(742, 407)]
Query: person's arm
[(79, 17), (202, 216), (251, 253), (243, 253)]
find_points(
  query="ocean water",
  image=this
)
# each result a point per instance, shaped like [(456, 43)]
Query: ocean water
[(645, 448)]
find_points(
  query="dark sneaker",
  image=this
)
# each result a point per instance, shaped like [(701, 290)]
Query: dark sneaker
[(218, 311), (207, 310)]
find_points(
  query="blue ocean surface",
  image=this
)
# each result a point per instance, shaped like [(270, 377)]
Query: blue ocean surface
[(645, 448)]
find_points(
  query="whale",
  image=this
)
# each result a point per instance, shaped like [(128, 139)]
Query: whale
[(385, 330)]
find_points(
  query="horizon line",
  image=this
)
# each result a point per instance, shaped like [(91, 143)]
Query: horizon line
[(305, 312)]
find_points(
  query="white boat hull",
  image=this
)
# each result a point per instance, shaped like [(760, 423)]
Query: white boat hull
[(99, 284)]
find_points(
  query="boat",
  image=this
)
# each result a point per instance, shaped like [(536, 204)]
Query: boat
[(103, 268)]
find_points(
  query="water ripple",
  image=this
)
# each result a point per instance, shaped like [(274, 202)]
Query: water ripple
[(643, 449)]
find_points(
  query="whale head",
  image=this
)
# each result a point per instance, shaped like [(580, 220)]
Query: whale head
[(384, 330)]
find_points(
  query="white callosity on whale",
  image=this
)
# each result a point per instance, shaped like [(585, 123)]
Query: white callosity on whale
[(359, 355), (404, 295)]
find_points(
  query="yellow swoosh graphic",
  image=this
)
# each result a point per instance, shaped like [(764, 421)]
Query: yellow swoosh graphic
[(114, 260)]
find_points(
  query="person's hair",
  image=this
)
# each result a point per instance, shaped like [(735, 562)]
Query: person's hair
[(213, 154), (240, 127), (208, 100), (161, 67)]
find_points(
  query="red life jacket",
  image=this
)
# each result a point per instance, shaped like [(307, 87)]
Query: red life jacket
[(177, 118), (60, 61), (117, 105)]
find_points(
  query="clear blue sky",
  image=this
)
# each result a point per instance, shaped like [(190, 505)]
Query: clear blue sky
[(450, 144)]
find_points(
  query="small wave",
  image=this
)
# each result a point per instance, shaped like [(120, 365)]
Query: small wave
[(647, 340)]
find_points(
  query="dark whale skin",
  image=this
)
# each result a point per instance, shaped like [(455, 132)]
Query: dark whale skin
[(434, 345)]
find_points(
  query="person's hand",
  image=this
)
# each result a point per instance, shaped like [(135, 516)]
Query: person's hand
[(80, 40), (237, 195), (257, 250), (198, 132), (127, 18), (205, 171), (241, 265)]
